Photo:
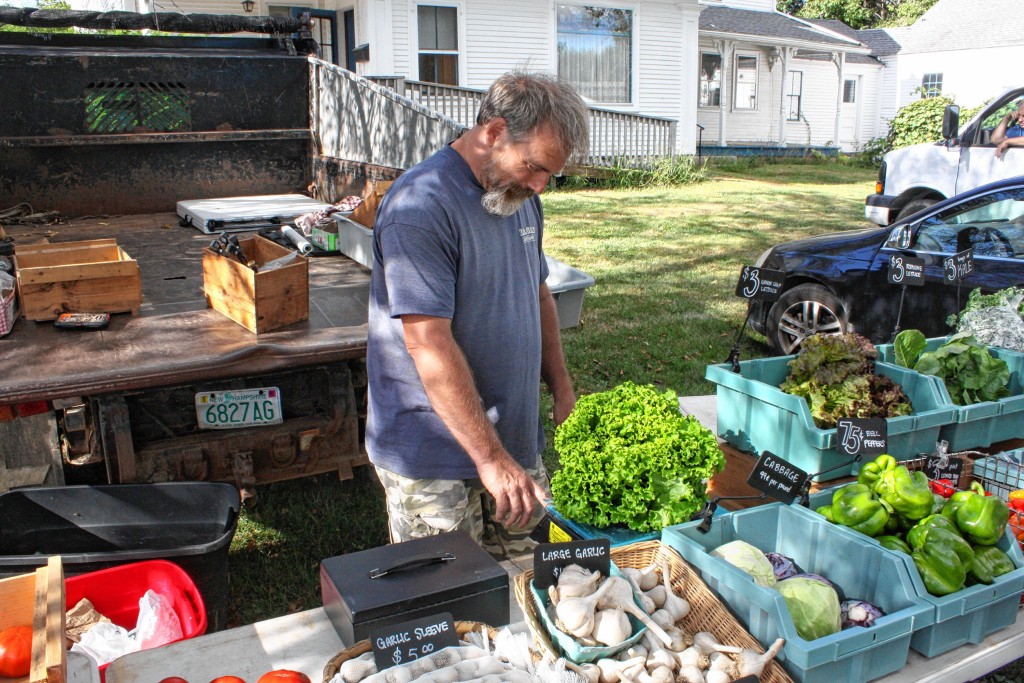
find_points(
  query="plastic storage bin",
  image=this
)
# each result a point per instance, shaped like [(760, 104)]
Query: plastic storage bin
[(1001, 473), (755, 415), (968, 615), (115, 593), (980, 424), (96, 527), (616, 535), (567, 285), (861, 570)]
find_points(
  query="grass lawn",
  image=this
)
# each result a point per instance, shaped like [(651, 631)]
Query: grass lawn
[(666, 262)]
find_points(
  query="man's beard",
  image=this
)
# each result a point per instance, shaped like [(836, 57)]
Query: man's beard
[(501, 199)]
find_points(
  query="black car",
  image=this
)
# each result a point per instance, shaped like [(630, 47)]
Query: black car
[(840, 282)]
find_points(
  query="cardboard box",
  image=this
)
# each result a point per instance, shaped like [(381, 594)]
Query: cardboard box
[(472, 586), (366, 213), (95, 276), (258, 300), (37, 600)]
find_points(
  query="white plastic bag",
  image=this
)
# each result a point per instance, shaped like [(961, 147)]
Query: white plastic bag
[(158, 623), (105, 642)]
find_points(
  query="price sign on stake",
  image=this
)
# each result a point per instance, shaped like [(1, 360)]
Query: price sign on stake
[(760, 283), (955, 268), (778, 478), (400, 643), (906, 270), (862, 436), (549, 559)]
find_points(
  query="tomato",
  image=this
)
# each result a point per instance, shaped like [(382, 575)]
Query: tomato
[(15, 651), (173, 679), (284, 676), (228, 679)]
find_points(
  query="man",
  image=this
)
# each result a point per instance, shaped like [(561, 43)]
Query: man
[(462, 327), (1006, 135)]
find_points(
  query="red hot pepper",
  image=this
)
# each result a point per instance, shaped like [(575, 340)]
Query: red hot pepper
[(943, 487)]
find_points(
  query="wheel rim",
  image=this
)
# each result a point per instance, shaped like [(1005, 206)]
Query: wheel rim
[(803, 319)]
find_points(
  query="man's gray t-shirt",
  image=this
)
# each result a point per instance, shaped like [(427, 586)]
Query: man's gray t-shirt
[(438, 253)]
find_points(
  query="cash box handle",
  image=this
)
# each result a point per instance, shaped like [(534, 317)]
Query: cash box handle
[(414, 563)]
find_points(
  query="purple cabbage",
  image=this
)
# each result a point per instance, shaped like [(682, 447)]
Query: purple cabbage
[(784, 567), (859, 613)]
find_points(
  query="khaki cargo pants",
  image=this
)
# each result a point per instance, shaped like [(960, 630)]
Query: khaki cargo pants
[(427, 507)]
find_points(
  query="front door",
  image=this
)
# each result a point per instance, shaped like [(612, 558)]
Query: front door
[(850, 115), (325, 30)]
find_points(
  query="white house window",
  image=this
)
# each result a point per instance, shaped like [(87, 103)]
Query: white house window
[(710, 94), (849, 91), (931, 85), (595, 51), (439, 44), (795, 95), (745, 91)]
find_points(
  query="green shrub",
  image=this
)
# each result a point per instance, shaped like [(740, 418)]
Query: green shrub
[(665, 172), (917, 122)]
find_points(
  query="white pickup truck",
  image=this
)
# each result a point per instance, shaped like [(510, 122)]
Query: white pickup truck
[(915, 177)]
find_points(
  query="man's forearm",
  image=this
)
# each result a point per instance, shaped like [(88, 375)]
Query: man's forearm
[(449, 385)]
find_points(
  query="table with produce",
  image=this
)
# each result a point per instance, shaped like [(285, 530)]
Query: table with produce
[(877, 537)]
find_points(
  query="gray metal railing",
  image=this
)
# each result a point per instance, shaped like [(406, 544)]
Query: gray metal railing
[(616, 138)]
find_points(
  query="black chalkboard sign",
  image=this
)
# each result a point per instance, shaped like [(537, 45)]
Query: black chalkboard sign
[(938, 467), (862, 436), (906, 270), (955, 268), (549, 560), (409, 640), (779, 478), (760, 283)]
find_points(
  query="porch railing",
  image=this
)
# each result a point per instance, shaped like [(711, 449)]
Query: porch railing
[(616, 138)]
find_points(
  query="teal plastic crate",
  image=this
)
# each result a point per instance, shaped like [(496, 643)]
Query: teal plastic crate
[(755, 415), (863, 571), (967, 616), (1001, 473), (981, 424)]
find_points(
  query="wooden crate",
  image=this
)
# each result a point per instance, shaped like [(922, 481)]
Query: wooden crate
[(94, 276), (37, 599), (259, 301)]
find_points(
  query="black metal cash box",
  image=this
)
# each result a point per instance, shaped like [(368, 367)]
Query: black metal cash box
[(373, 588)]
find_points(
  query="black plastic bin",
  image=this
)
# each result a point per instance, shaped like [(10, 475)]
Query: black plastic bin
[(95, 527)]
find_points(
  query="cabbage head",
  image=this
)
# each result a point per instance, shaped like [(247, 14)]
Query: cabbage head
[(748, 558), (813, 605)]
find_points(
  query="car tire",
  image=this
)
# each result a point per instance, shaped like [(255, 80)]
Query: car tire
[(802, 311), (915, 206)]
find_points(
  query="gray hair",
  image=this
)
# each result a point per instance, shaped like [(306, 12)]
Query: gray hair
[(527, 100)]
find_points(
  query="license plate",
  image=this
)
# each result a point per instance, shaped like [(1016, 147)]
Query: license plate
[(242, 408)]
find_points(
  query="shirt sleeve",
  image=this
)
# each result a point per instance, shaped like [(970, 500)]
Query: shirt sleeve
[(420, 265)]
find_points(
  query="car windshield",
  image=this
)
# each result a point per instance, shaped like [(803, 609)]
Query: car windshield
[(992, 225)]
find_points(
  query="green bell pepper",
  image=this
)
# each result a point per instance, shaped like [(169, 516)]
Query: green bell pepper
[(982, 519), (989, 562), (950, 540), (938, 502), (871, 471), (915, 535), (894, 543), (826, 512), (857, 507), (907, 492), (938, 563)]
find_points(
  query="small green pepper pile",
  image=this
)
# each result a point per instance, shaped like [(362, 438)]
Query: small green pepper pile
[(952, 542)]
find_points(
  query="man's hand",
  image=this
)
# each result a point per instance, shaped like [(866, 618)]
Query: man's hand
[(515, 492)]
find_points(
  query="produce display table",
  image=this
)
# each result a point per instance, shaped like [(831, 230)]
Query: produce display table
[(306, 641)]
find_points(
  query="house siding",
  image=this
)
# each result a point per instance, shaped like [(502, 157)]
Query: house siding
[(971, 77)]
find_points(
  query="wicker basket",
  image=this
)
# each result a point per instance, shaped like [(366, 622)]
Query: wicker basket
[(462, 628), (706, 612)]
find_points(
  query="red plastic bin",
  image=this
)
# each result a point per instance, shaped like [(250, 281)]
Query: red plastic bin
[(115, 593)]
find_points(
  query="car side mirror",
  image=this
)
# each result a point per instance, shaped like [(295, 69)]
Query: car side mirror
[(950, 122), (900, 238)]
